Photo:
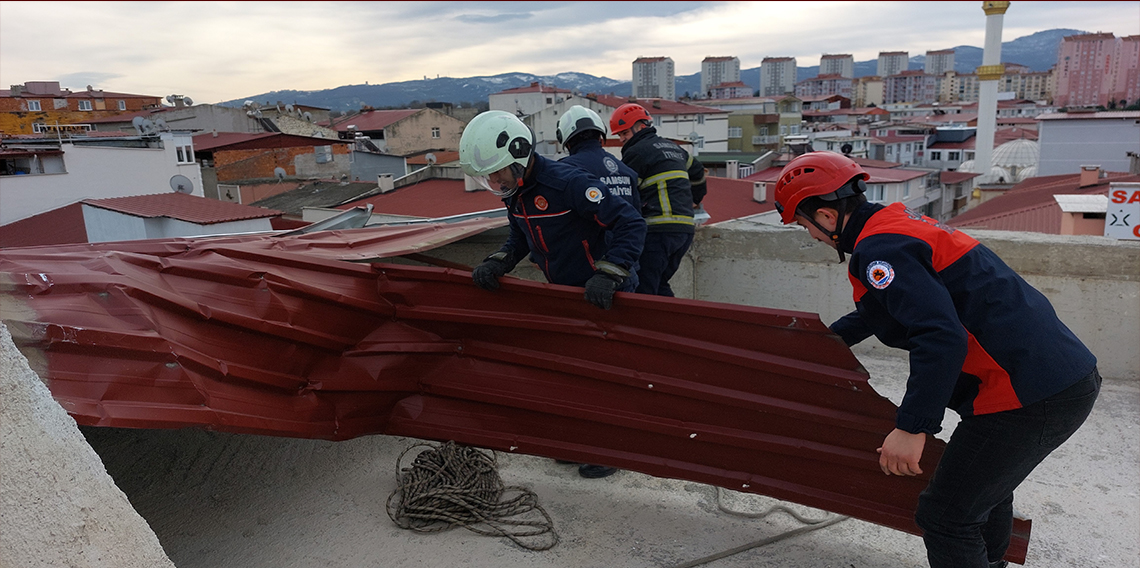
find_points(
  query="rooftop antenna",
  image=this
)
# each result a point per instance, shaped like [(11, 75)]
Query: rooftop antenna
[(181, 184)]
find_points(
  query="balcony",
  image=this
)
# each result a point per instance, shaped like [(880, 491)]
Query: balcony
[(761, 140)]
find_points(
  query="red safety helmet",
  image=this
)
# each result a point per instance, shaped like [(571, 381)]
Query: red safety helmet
[(626, 116), (812, 174)]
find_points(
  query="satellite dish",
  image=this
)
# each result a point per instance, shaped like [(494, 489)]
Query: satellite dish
[(161, 124), (181, 184), (308, 117), (247, 105), (147, 126), (846, 148), (137, 122), (188, 101), (289, 108), (430, 158), (170, 99), (279, 172)]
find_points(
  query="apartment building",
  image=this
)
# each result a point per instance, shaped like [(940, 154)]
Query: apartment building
[(717, 71), (938, 62), (910, 86), (837, 64), (523, 101), (38, 106), (653, 78), (1094, 69), (825, 85), (867, 91), (777, 76), (892, 63)]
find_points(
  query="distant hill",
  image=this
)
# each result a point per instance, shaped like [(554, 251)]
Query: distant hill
[(1037, 51)]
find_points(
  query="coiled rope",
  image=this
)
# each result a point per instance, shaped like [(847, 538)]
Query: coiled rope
[(451, 485)]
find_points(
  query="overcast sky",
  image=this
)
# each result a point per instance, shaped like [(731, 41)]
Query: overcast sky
[(214, 52)]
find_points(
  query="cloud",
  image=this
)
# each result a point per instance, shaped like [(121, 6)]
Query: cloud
[(493, 19), (84, 78)]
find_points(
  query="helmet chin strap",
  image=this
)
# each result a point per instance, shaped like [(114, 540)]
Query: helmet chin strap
[(833, 235)]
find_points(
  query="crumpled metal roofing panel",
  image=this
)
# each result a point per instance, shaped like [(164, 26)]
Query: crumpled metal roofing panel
[(257, 336)]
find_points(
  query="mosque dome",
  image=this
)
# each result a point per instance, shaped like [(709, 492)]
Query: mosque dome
[(1020, 153), (967, 166), (1026, 173)]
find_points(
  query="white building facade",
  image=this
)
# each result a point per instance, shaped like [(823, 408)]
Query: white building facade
[(842, 65), (892, 63), (653, 78), (123, 167), (777, 76)]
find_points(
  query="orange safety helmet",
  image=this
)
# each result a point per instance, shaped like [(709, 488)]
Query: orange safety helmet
[(626, 116), (816, 174)]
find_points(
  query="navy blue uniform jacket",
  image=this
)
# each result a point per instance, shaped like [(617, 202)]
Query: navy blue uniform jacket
[(560, 218), (622, 181), (671, 181), (981, 339)]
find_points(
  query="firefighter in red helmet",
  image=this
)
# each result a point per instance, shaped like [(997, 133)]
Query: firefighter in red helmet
[(982, 342), (671, 187)]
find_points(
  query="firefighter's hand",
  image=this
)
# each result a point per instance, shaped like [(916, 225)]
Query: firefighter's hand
[(900, 453), (487, 274), (600, 289)]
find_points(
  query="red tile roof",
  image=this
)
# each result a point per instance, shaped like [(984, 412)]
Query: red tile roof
[(648, 59), (207, 142), (432, 198), (711, 59), (836, 56), (732, 199), (56, 227), (775, 59), (189, 208), (955, 177), (878, 175), (666, 106), (1029, 205), (372, 119), (869, 163), (533, 88), (1090, 115)]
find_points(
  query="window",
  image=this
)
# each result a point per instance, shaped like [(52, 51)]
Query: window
[(906, 190), (122, 105), (34, 105), (795, 129), (435, 132), (700, 143), (549, 100), (185, 154), (936, 155), (890, 150), (953, 156), (700, 119), (39, 127), (324, 154), (735, 132), (875, 192), (783, 130), (84, 105)]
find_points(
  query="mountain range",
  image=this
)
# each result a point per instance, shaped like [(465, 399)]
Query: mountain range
[(1037, 51)]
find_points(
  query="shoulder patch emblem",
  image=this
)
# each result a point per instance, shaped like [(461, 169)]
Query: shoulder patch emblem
[(540, 203), (594, 194), (610, 164), (880, 274)]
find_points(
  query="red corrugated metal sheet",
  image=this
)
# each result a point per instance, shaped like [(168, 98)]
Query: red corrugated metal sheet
[(432, 199), (263, 336), (60, 226)]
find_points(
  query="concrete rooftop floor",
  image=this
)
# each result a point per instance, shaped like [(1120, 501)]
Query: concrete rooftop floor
[(243, 501)]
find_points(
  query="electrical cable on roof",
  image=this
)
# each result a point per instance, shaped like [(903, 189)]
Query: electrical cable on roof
[(451, 485), (811, 525)]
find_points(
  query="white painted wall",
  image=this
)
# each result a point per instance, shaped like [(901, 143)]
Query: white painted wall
[(104, 225), (97, 173), (1066, 145)]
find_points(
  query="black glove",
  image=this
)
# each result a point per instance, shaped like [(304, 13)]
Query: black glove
[(601, 286), (487, 274)]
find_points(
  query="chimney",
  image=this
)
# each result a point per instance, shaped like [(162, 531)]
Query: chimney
[(732, 169), (759, 191), (1090, 175), (657, 103), (385, 182), (1133, 163)]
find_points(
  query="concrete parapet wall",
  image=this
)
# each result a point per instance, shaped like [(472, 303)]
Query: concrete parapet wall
[(1093, 282)]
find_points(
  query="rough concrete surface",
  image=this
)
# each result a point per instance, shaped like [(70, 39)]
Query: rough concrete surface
[(58, 506), (242, 501)]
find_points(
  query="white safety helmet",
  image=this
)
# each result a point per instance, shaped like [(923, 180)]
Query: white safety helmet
[(492, 141), (578, 119)]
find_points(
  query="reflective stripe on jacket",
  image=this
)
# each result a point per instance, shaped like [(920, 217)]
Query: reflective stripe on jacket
[(671, 180)]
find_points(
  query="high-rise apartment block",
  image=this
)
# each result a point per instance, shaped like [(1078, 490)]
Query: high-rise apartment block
[(653, 78), (1093, 69), (939, 62), (842, 65), (892, 63), (825, 85), (910, 86), (719, 70), (867, 91), (777, 76)]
